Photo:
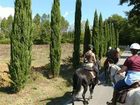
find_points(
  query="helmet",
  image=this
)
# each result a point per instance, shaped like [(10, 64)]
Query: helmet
[(90, 46), (118, 50), (135, 46), (109, 48)]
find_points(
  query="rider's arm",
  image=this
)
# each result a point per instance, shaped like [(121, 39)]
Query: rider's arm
[(124, 68)]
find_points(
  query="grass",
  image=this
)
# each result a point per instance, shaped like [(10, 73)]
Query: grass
[(39, 90)]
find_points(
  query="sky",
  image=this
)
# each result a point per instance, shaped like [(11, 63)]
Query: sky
[(106, 7)]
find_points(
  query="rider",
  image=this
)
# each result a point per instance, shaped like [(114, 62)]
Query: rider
[(116, 55), (106, 63), (112, 54), (89, 59), (89, 56), (132, 67), (108, 52)]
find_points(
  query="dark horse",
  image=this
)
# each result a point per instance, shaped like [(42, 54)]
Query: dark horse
[(84, 78)]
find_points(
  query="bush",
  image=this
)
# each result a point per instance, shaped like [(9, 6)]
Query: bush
[(5, 41)]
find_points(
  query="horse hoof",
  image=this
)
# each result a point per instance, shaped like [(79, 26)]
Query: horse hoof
[(90, 97), (72, 103), (85, 102)]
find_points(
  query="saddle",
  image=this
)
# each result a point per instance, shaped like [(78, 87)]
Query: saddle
[(90, 68), (123, 93)]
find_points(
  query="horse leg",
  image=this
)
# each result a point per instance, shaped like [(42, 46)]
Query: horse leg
[(76, 87), (84, 93), (73, 97), (91, 88)]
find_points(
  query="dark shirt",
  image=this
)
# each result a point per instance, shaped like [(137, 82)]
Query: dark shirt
[(133, 63)]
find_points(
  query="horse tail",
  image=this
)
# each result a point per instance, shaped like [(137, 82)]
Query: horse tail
[(76, 84)]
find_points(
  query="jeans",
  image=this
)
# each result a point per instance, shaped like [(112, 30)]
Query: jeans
[(120, 85)]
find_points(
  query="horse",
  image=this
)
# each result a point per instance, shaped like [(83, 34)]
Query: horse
[(114, 77), (84, 78), (133, 95)]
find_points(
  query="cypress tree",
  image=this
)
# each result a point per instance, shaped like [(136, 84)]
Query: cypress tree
[(110, 34), (113, 36), (55, 45), (87, 37), (20, 62), (101, 37), (117, 38), (105, 37), (77, 33), (95, 34)]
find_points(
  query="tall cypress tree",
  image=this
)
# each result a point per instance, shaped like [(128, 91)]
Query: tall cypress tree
[(95, 34), (113, 36), (21, 43), (105, 37), (77, 33), (55, 45), (87, 37), (101, 37), (110, 34), (117, 37)]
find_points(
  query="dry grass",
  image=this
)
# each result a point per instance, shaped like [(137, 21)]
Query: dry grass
[(39, 90)]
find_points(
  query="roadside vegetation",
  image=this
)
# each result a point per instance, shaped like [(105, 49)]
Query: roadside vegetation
[(41, 89)]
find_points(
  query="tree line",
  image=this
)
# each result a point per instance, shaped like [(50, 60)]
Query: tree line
[(40, 28), (128, 28)]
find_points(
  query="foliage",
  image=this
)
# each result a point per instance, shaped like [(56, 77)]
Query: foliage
[(95, 34), (135, 11), (55, 45), (45, 29), (87, 37), (4, 41), (77, 33), (20, 62), (41, 28), (105, 37), (119, 23), (133, 26), (101, 37), (67, 37), (6, 26), (36, 28)]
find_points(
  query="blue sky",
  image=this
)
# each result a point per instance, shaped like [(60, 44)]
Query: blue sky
[(105, 7)]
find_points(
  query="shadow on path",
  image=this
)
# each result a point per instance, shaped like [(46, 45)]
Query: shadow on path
[(58, 100)]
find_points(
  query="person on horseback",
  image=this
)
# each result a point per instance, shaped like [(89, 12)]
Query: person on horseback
[(108, 52), (132, 68), (112, 54), (108, 56), (89, 56), (106, 63), (90, 60), (116, 55)]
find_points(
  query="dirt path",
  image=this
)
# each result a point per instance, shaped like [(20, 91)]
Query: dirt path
[(103, 93)]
